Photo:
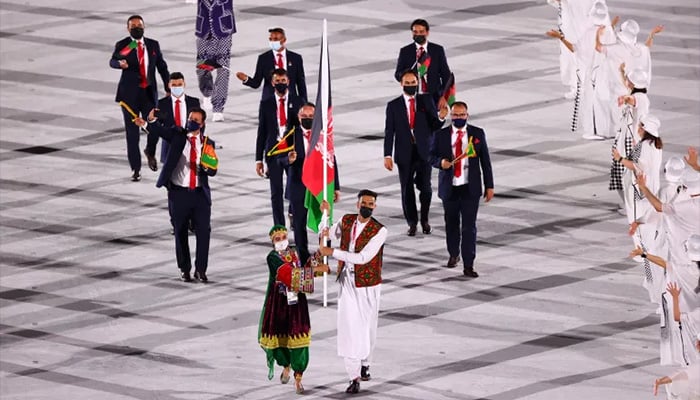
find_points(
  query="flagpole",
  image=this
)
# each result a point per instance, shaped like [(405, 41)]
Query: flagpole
[(324, 128)]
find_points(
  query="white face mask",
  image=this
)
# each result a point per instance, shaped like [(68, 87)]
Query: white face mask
[(275, 45), (177, 91), (281, 245)]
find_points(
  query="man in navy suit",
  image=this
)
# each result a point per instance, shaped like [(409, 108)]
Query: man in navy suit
[(410, 121), (187, 182), (172, 110), (214, 28), (137, 57), (276, 116), (461, 154), (428, 57), (278, 57), (295, 186)]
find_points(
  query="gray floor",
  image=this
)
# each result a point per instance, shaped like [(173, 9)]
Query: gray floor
[(90, 303)]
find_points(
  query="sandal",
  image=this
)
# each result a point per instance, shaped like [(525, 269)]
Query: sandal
[(284, 379)]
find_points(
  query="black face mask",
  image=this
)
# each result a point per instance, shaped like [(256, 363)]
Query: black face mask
[(366, 212), (410, 90), (307, 123), (420, 39), (281, 88), (136, 33)]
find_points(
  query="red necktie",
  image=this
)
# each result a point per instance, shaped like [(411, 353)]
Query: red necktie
[(142, 66), (458, 152), (307, 139), (280, 62), (282, 113), (412, 112), (177, 114), (193, 162)]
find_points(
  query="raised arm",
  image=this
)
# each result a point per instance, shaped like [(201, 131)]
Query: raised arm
[(654, 31), (558, 35)]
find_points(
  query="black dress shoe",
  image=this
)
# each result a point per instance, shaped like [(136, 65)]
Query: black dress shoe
[(411, 230), (364, 373), (427, 229), (469, 272), (354, 386), (185, 276), (152, 162), (452, 262), (190, 226), (201, 276), (136, 176)]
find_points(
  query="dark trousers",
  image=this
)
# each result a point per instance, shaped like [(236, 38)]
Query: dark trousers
[(144, 103), (152, 142), (462, 206), (184, 205), (276, 171), (417, 172), (297, 195)]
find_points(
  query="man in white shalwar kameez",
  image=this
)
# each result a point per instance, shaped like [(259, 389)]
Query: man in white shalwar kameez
[(359, 274)]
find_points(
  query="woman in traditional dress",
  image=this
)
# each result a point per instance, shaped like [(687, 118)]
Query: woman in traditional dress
[(633, 106), (285, 329)]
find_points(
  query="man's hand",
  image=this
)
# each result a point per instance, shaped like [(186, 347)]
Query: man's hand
[(442, 103), (325, 206), (140, 122), (673, 289), (388, 163), (488, 195), (241, 76), (152, 114), (636, 252), (633, 228), (336, 196), (292, 157), (443, 111), (123, 64), (320, 268), (656, 29), (615, 154), (326, 251), (445, 164), (259, 169)]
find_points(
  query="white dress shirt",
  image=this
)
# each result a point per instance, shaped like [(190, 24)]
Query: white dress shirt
[(465, 161), (181, 173)]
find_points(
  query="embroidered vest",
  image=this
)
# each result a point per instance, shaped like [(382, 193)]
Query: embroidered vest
[(369, 274)]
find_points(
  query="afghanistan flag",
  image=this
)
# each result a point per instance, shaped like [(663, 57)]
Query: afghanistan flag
[(423, 64), (450, 91), (127, 49), (208, 159), (318, 174), (208, 65)]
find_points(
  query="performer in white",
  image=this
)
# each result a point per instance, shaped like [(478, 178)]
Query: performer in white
[(360, 276), (592, 107), (569, 25)]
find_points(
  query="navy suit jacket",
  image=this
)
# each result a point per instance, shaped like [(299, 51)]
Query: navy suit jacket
[(297, 167), (177, 138), (268, 130), (438, 72), (128, 88), (441, 148), (397, 131), (263, 74), (165, 105)]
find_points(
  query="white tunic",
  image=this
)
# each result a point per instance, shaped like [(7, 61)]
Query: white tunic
[(358, 308)]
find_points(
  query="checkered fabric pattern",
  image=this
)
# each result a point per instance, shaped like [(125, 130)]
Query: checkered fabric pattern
[(219, 50)]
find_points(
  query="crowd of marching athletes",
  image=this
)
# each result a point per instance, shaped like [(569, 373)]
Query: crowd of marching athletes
[(608, 73)]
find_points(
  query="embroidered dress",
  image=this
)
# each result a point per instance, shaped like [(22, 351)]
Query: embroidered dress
[(285, 329)]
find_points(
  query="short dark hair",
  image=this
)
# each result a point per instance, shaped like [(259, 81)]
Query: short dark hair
[(279, 72), (177, 75), (135, 16), (409, 71), (307, 104), (459, 103), (366, 192), (420, 22), (277, 29), (200, 111)]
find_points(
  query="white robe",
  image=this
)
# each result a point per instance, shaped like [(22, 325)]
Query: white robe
[(358, 308), (685, 384)]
